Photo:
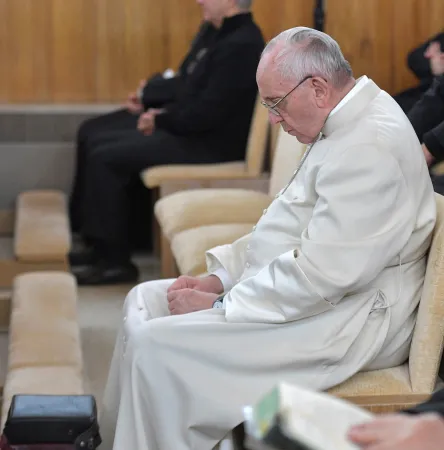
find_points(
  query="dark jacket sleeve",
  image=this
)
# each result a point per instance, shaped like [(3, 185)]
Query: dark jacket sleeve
[(234, 71), (416, 61), (434, 405), (427, 117), (159, 91)]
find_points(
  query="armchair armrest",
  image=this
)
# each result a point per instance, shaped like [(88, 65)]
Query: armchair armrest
[(155, 176), (194, 208), (260, 184)]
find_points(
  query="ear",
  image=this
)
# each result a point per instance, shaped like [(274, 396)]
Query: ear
[(321, 91)]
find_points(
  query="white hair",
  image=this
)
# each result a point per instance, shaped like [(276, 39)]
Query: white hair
[(307, 52), (244, 4)]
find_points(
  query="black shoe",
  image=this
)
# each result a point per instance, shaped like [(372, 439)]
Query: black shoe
[(104, 274), (85, 257)]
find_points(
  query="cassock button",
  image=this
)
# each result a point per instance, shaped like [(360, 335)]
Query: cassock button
[(248, 247), (247, 265), (125, 318), (124, 339)]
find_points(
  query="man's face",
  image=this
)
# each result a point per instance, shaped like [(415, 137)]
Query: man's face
[(301, 114), (214, 11)]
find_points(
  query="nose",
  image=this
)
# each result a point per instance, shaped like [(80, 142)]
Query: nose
[(274, 119)]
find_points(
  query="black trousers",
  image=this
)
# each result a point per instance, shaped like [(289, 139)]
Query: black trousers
[(91, 130), (113, 160)]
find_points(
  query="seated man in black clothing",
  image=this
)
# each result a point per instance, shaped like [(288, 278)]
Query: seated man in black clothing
[(420, 62), (154, 92), (422, 430), (206, 120), (427, 118)]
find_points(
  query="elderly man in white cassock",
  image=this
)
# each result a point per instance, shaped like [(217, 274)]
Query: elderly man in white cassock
[(326, 285)]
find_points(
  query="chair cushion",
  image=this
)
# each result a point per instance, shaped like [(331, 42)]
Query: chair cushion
[(63, 380), (41, 229), (381, 391), (394, 381), (189, 246), (188, 209), (44, 330), (155, 176)]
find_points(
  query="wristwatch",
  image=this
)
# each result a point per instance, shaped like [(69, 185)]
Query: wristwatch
[(219, 302)]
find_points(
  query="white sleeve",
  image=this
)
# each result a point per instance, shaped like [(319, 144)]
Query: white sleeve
[(230, 257), (224, 278), (361, 221)]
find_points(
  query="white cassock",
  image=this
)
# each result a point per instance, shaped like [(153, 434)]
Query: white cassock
[(326, 285)]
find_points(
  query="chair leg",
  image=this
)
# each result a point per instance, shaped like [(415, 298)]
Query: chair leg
[(168, 263)]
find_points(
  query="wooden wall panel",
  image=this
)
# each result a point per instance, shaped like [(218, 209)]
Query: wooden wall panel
[(363, 30), (26, 59), (57, 51), (73, 28), (98, 50), (416, 21)]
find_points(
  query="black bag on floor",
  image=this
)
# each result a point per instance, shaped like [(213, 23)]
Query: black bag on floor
[(56, 422)]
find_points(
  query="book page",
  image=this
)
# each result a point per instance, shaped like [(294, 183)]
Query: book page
[(319, 420)]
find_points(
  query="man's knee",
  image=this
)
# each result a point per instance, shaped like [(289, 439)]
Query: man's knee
[(99, 156), (149, 299), (86, 129)]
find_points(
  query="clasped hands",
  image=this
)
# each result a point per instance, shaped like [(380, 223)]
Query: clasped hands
[(146, 123), (191, 294)]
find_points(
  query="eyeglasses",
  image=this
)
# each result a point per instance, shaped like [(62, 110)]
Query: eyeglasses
[(272, 108)]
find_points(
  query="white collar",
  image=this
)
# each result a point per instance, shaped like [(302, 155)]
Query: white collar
[(361, 82)]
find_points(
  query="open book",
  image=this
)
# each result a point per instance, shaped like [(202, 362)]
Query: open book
[(294, 418)]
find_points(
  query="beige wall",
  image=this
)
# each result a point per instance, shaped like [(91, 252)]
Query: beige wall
[(54, 51)]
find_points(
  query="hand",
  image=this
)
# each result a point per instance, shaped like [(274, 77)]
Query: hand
[(189, 300), (427, 155), (146, 124), (211, 284), (400, 432), (133, 104)]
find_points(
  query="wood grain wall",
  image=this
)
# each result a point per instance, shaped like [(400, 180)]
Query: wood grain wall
[(376, 35), (54, 51), (97, 50)]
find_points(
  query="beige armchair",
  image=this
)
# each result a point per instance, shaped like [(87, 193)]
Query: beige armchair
[(404, 386), (164, 180), (390, 390), (197, 220), (203, 174)]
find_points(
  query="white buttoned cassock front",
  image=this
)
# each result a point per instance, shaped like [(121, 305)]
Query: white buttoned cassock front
[(327, 284)]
